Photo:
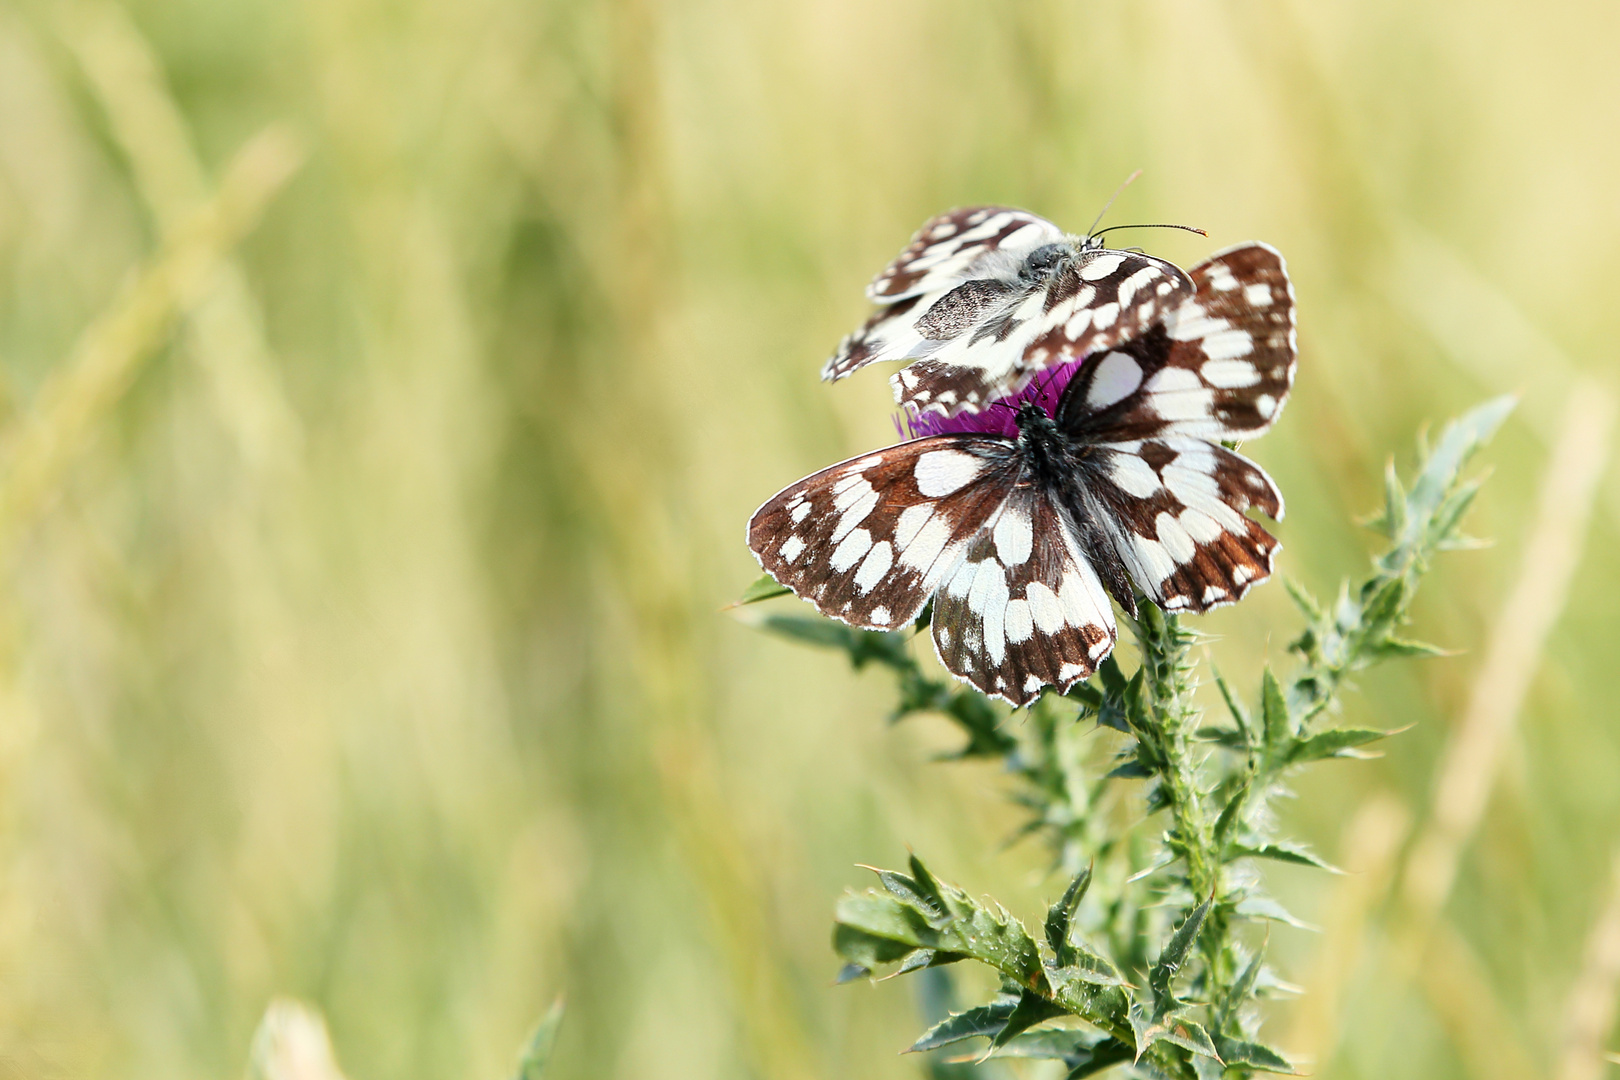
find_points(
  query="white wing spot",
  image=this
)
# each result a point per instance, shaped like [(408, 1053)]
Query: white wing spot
[(1190, 321), (1230, 374), (1156, 563), (840, 490), (1032, 684), (1228, 344), (847, 554), (1100, 267), (940, 472), (1013, 536), (1133, 476), (1258, 294), (1179, 395), (879, 615), (1131, 285), (1069, 672), (910, 523), (924, 549), (1177, 544), (1044, 607), (1018, 623), (1214, 593), (875, 565), (1220, 278), (792, 548), (1077, 325), (799, 512), (1200, 526), (854, 514), (1117, 378), (962, 581), (1265, 405), (989, 590), (1078, 608), (1104, 315), (995, 640), (1241, 574)]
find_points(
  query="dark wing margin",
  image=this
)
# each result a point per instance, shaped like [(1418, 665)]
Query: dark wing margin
[(1176, 511), (868, 540), (1023, 609), (1096, 300), (1219, 365)]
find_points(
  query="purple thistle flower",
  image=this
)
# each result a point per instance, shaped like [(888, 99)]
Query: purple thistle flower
[(998, 417)]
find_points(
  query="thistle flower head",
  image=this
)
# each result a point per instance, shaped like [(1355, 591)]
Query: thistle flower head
[(999, 416)]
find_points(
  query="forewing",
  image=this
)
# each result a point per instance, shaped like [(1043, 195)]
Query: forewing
[(969, 242), (960, 268), (1218, 365), (1095, 301), (1024, 609), (1175, 509), (924, 324), (867, 540)]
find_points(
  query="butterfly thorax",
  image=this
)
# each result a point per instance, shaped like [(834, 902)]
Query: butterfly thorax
[(1045, 448), (1045, 261)]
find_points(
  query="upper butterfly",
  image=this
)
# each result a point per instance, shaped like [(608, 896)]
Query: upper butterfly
[(1021, 522), (986, 296)]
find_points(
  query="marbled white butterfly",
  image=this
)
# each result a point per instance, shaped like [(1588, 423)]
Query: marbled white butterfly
[(986, 296), (1021, 522)]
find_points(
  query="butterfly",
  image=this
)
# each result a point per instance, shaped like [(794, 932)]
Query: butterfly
[(986, 296), (1020, 537)]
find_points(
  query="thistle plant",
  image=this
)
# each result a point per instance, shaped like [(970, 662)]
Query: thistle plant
[(1156, 946)]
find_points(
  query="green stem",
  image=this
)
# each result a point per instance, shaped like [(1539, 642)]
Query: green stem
[(1166, 658)]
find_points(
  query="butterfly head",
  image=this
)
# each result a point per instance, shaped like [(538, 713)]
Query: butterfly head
[(1044, 261)]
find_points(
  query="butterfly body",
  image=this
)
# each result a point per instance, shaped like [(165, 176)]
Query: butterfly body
[(1022, 534)]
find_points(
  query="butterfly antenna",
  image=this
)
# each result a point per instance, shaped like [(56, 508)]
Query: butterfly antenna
[(1042, 387), (1185, 228), (1110, 202)]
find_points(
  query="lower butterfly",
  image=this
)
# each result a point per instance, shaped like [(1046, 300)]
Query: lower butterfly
[(1021, 536)]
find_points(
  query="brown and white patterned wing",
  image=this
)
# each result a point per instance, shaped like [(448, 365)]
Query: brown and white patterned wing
[(868, 540), (959, 269), (1096, 300), (1024, 609), (969, 242), (1219, 365), (1175, 509)]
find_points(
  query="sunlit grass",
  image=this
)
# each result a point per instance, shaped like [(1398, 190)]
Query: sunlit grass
[(369, 494)]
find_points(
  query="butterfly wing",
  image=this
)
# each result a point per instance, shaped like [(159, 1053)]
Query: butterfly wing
[(1095, 301), (1152, 410), (958, 267), (1023, 608), (1219, 365), (969, 242), (868, 540), (1175, 510)]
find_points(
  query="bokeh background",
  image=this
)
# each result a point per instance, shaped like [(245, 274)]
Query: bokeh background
[(385, 384)]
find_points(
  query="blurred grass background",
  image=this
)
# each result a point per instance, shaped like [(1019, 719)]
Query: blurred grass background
[(385, 386)]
